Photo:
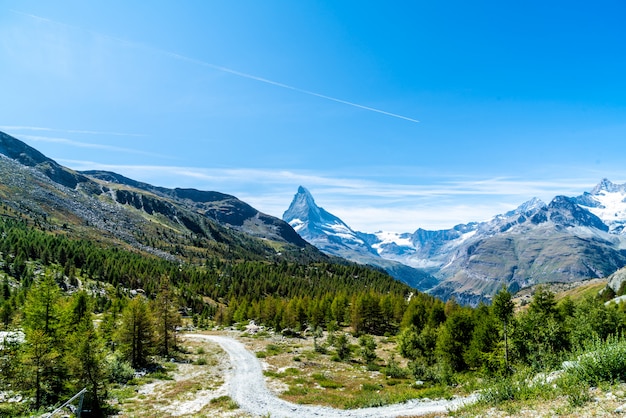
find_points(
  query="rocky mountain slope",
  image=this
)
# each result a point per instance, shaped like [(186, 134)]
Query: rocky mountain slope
[(172, 223), (569, 239)]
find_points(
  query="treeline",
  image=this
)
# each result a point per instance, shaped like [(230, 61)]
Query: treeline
[(366, 312), (216, 278), (495, 340)]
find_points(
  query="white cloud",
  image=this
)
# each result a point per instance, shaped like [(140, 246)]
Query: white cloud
[(82, 144), (70, 131), (365, 205)]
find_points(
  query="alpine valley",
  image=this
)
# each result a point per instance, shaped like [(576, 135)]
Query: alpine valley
[(569, 239)]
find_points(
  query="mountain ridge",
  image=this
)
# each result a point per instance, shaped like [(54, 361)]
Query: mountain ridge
[(567, 239), (167, 222)]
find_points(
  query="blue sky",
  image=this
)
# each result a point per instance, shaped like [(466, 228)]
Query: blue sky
[(395, 115)]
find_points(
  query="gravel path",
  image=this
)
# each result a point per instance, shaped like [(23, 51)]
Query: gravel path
[(247, 388)]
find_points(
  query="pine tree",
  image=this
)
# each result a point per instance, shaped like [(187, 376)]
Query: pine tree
[(454, 338), (368, 348), (41, 309), (39, 354), (44, 347), (503, 310), (136, 333), (343, 347), (85, 360), (167, 317)]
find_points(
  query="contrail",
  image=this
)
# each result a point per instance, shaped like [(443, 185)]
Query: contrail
[(223, 69)]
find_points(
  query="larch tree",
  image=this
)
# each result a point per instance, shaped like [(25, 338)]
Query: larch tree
[(167, 317), (42, 355), (502, 307), (136, 333)]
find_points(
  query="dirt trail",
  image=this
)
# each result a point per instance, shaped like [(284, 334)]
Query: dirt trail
[(246, 386)]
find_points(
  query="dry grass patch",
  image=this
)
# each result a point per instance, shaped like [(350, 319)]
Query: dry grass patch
[(305, 376)]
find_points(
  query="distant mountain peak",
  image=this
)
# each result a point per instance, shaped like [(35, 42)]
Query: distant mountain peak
[(608, 186), (333, 236), (303, 209), (530, 206)]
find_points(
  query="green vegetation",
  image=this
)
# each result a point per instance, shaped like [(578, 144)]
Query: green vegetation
[(92, 315), (88, 315)]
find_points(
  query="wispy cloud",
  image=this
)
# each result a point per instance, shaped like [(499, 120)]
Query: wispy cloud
[(80, 144), (14, 128), (223, 69), (366, 205)]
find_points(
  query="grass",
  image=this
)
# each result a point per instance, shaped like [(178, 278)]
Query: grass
[(325, 381), (270, 350), (291, 371), (343, 384), (224, 402), (200, 361)]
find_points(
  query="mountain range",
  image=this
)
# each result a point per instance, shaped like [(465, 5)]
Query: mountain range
[(569, 239), (171, 223), (566, 240)]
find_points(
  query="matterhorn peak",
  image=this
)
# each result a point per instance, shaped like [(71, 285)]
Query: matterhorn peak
[(310, 220), (302, 208)]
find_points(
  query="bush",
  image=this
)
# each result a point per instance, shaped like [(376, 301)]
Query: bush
[(394, 370), (601, 361), (273, 349), (370, 387), (576, 391), (118, 370), (519, 387), (501, 391)]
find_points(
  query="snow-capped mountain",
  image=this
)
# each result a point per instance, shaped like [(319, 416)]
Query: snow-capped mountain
[(569, 239), (331, 235), (608, 202), (320, 227)]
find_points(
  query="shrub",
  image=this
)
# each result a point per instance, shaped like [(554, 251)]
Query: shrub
[(601, 361), (394, 370), (576, 391), (118, 370), (273, 349), (370, 387), (519, 387)]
